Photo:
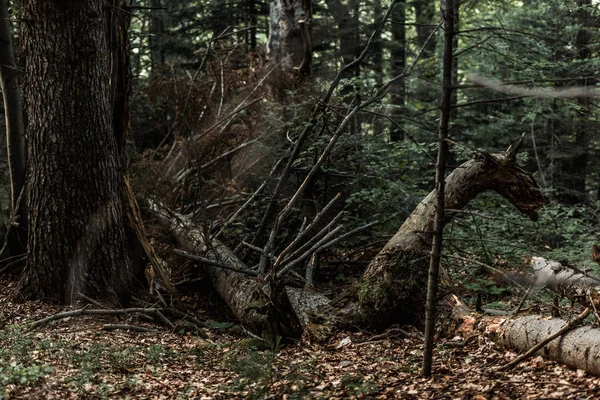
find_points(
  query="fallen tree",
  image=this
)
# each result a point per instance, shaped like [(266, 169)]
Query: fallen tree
[(393, 287), (576, 347), (271, 310), (566, 280)]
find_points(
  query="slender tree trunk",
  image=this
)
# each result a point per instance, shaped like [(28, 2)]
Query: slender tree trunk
[(16, 238), (426, 17), (377, 48), (398, 91), (77, 240), (157, 31), (571, 183), (448, 8)]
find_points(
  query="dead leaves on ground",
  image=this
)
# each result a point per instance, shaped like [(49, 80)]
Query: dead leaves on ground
[(86, 362)]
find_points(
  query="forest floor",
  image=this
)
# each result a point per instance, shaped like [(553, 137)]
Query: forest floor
[(76, 358)]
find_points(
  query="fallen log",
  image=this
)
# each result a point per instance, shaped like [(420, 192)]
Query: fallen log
[(273, 310), (393, 287), (566, 280), (577, 347)]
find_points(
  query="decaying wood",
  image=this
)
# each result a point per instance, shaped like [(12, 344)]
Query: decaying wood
[(274, 310), (392, 287)]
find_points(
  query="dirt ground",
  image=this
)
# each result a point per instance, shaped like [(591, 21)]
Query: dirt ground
[(77, 358)]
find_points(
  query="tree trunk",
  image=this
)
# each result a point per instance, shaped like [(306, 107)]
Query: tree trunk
[(571, 183), (426, 17), (577, 348), (398, 59), (16, 235), (271, 311), (77, 239), (157, 31), (440, 183), (392, 288), (289, 35), (565, 280)]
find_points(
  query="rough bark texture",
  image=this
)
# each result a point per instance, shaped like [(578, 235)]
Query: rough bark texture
[(393, 285), (15, 138), (267, 311), (578, 348), (77, 240), (289, 35)]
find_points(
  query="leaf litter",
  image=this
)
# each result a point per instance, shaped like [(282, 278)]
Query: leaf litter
[(75, 358)]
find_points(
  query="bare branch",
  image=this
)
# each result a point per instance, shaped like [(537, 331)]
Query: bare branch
[(206, 261)]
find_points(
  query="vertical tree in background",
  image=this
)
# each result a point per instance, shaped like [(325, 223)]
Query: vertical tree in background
[(16, 238), (157, 32), (426, 18), (77, 238), (289, 35), (398, 60), (571, 181)]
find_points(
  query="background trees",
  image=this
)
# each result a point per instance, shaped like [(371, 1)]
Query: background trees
[(204, 87)]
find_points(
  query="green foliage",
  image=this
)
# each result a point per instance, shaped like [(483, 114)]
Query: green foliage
[(358, 385), (490, 230), (17, 367), (258, 366)]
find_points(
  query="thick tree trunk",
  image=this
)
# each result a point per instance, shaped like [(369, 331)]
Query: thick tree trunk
[(16, 238), (76, 211), (577, 349), (289, 35), (393, 285)]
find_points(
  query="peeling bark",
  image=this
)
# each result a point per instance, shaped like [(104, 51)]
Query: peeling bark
[(289, 35), (393, 286)]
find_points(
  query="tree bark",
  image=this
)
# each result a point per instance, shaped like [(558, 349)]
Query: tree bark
[(16, 235), (398, 60), (577, 348), (565, 280), (289, 35), (440, 183), (392, 288), (272, 311), (76, 211), (157, 31)]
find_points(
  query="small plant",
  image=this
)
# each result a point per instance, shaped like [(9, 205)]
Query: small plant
[(121, 360), (157, 353), (358, 385), (19, 374), (87, 363)]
